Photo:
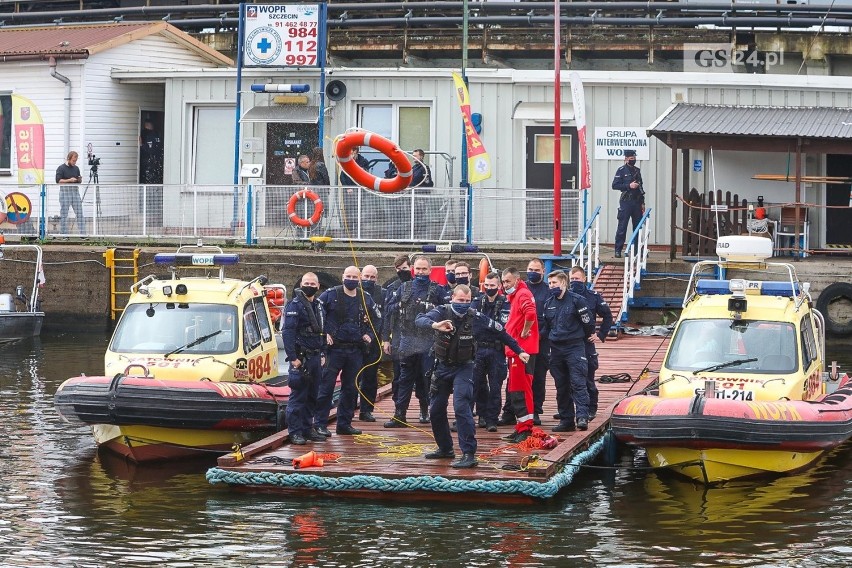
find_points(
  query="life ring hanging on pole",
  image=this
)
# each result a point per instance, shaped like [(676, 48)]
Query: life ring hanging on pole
[(343, 154), (291, 208)]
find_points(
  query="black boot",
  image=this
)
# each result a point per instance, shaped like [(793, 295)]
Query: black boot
[(398, 421), (507, 420), (466, 461), (424, 413), (440, 455)]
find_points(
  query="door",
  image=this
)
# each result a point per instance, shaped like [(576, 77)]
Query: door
[(539, 174), (285, 142), (838, 222)]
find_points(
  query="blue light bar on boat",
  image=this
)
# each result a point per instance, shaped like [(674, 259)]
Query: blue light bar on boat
[(709, 287), (186, 259)]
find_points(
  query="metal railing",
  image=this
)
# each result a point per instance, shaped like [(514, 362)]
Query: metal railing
[(259, 214), (586, 250), (635, 262)]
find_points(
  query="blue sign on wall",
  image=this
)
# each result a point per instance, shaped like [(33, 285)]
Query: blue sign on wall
[(697, 165)]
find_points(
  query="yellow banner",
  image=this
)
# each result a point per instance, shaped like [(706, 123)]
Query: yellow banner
[(28, 140), (478, 161)]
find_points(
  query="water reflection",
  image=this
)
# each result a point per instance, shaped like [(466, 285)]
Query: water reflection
[(63, 503)]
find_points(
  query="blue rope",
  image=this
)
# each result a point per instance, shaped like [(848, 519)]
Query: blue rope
[(540, 490)]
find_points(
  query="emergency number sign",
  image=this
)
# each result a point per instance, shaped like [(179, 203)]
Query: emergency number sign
[(280, 35)]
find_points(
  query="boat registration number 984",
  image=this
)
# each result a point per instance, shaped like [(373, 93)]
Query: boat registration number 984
[(731, 394)]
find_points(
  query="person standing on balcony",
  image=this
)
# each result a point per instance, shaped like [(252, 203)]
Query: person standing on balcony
[(631, 205), (68, 176), (350, 193)]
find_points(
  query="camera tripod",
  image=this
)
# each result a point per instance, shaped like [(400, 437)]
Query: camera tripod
[(93, 179)]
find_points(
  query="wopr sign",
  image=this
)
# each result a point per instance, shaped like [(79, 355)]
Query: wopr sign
[(721, 58)]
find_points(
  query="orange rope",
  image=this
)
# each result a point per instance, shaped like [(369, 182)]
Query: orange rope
[(538, 440)]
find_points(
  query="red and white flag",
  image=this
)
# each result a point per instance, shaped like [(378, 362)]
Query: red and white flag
[(579, 100)]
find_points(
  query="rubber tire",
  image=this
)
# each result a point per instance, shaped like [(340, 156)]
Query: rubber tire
[(830, 294)]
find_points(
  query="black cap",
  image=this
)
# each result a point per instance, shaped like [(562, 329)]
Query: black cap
[(629, 153)]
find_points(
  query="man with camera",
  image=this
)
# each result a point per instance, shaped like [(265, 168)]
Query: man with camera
[(68, 176), (631, 205)]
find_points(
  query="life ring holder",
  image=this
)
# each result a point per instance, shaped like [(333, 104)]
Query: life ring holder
[(291, 208), (343, 154)]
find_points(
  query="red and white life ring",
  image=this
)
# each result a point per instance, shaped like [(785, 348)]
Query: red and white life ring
[(343, 153), (291, 208)]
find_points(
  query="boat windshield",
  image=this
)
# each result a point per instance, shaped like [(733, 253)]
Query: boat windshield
[(160, 328), (701, 343)]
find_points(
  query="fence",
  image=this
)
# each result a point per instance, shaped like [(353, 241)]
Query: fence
[(259, 213)]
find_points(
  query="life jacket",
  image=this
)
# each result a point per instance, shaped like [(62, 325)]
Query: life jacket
[(315, 322), (457, 346), (409, 308)]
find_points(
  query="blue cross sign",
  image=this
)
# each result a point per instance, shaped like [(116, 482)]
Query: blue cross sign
[(263, 45)]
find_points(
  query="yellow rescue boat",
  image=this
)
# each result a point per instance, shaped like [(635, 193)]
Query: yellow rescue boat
[(743, 390)]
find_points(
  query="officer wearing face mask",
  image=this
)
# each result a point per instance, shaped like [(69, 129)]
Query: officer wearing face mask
[(390, 323), (459, 275), (489, 370), (407, 302), (631, 205), (304, 342), (456, 325), (347, 334), (568, 323), (597, 308), (450, 275), (368, 381)]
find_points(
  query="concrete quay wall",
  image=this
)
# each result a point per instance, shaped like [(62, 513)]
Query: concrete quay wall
[(77, 285)]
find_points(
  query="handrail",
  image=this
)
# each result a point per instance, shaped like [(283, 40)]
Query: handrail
[(38, 275), (588, 257), (635, 259)]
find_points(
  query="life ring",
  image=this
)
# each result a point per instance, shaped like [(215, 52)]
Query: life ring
[(291, 208), (837, 292), (343, 154)]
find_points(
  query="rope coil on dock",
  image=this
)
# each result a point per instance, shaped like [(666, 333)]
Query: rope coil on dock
[(540, 490)]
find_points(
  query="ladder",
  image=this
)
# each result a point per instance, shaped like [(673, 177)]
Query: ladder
[(123, 272)]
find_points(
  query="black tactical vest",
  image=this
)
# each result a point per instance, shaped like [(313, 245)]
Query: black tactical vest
[(457, 346)]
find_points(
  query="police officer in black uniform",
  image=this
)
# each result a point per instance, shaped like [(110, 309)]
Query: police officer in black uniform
[(489, 370), (631, 205), (456, 325), (368, 380), (347, 334), (304, 342), (597, 307), (390, 323), (567, 323), (409, 301)]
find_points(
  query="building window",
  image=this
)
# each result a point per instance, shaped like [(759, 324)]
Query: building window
[(408, 125), (5, 133), (544, 149)]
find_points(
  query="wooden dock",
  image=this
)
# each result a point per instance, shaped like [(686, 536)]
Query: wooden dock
[(389, 463)]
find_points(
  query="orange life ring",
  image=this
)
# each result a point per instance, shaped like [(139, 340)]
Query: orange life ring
[(484, 270), (343, 154), (291, 208)]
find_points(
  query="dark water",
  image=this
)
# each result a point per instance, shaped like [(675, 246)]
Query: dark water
[(63, 504)]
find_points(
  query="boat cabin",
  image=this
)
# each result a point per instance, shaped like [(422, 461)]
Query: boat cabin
[(199, 326), (758, 339)]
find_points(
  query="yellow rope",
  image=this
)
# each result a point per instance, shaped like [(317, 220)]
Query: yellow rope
[(391, 447)]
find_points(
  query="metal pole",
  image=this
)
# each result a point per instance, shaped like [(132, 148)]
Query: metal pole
[(240, 46), (321, 55), (464, 173), (557, 136)]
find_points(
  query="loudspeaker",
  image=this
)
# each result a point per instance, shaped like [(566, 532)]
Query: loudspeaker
[(335, 90)]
